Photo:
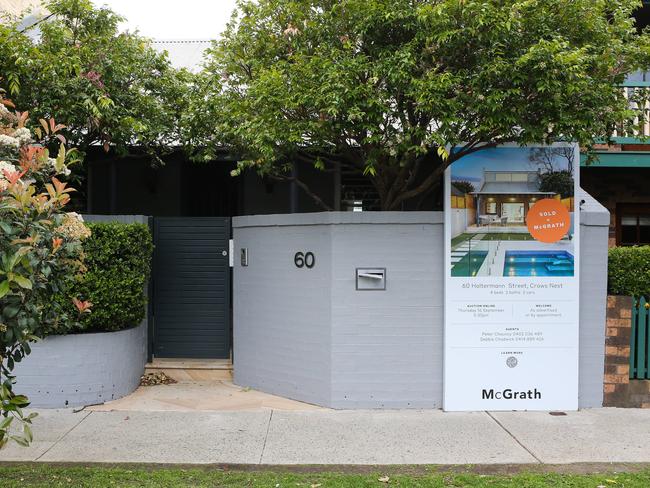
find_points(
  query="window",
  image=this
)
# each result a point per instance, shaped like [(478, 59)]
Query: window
[(491, 207), (503, 177), (632, 224)]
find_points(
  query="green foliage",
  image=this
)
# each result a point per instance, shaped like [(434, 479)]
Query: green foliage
[(557, 182), (384, 87), (464, 186), (108, 88), (118, 263), (39, 258), (629, 271), (42, 475)]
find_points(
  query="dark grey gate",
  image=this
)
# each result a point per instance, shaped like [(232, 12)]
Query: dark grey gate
[(191, 287)]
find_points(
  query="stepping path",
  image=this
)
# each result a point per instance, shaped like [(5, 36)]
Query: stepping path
[(461, 251)]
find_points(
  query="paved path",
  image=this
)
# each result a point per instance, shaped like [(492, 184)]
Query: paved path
[(338, 437), (202, 396)]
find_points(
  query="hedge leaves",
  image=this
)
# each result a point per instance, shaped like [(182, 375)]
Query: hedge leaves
[(629, 271), (118, 262)]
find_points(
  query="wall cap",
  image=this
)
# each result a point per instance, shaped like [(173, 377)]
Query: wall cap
[(339, 218), (592, 213)]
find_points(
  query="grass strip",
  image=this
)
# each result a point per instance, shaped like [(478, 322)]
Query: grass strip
[(37, 475)]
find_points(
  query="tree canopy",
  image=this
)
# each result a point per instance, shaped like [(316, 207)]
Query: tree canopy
[(109, 88), (400, 89)]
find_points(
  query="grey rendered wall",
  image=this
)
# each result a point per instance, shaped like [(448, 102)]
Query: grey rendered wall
[(281, 341), (387, 345), (309, 335), (594, 229), (83, 369)]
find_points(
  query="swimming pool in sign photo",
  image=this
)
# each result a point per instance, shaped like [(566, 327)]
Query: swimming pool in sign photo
[(538, 263)]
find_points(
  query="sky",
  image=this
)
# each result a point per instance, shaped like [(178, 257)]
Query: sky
[(470, 167), (173, 19)]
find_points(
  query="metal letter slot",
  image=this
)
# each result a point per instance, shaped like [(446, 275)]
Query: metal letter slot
[(371, 278)]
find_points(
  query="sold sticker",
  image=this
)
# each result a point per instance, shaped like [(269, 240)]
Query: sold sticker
[(548, 220)]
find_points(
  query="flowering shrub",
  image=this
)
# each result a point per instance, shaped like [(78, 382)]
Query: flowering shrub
[(40, 251)]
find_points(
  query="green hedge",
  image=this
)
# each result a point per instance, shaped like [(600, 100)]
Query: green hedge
[(629, 271), (118, 262)]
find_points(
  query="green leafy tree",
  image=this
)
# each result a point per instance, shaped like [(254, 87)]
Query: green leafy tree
[(108, 88), (560, 182), (464, 186), (400, 89)]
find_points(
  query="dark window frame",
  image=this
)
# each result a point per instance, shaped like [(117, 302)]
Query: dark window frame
[(630, 210)]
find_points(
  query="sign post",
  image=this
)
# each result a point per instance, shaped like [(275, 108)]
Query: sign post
[(512, 279)]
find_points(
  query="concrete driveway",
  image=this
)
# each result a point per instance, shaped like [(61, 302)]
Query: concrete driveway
[(323, 436)]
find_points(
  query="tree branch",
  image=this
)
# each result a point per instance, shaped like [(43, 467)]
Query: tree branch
[(437, 172), (319, 201)]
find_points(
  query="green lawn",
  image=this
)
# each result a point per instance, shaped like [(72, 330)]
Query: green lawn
[(501, 236), (460, 238), (55, 476), (508, 236)]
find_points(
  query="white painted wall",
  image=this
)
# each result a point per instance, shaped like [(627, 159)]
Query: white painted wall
[(458, 221)]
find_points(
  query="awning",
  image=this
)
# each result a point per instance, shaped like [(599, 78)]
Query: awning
[(623, 159), (510, 188)]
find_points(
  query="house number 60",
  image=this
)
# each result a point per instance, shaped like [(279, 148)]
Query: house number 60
[(304, 259)]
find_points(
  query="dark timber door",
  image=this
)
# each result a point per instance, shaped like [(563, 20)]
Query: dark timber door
[(191, 287)]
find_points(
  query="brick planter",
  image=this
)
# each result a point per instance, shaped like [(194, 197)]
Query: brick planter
[(619, 390)]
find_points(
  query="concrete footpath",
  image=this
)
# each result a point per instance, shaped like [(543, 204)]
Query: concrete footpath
[(338, 437)]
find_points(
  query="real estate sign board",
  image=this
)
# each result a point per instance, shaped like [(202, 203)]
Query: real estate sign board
[(511, 279)]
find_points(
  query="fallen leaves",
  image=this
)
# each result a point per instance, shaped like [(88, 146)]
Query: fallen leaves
[(157, 378)]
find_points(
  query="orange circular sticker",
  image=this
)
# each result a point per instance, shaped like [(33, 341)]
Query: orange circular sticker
[(548, 220)]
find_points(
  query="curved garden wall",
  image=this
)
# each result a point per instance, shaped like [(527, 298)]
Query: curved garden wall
[(83, 369)]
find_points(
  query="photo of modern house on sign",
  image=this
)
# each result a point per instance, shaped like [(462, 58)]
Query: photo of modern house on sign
[(512, 212)]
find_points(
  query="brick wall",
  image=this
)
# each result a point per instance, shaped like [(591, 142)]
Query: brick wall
[(619, 390)]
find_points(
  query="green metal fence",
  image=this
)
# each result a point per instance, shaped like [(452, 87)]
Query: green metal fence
[(640, 341)]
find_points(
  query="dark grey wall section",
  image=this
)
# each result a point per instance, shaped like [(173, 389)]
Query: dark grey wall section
[(264, 196), (309, 335), (122, 219), (83, 369)]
